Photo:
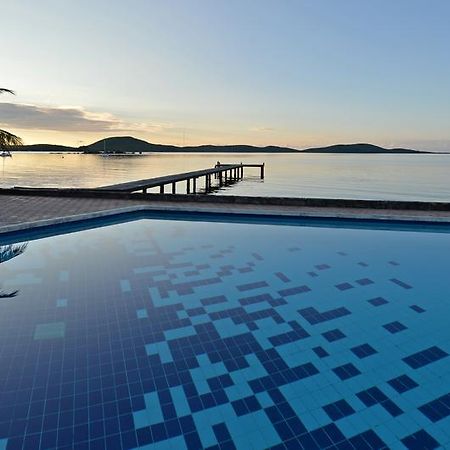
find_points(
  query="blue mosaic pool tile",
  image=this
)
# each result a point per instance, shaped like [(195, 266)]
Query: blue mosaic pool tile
[(378, 301), (338, 410), (374, 396), (437, 409), (425, 357), (320, 352), (394, 327), (125, 285), (403, 383), (250, 286), (212, 366), (142, 313), (344, 286), (313, 316), (53, 330), (363, 351), (61, 302), (401, 283), (368, 439), (64, 276), (333, 335), (346, 371), (283, 277), (294, 291), (420, 440), (322, 266)]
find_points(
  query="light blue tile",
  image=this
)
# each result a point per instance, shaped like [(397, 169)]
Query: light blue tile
[(3, 444), (180, 402), (264, 399), (142, 313), (125, 286), (61, 302), (177, 333), (64, 275), (160, 348), (205, 431), (53, 330), (141, 418)]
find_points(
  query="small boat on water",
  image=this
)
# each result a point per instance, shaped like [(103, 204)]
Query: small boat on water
[(5, 154)]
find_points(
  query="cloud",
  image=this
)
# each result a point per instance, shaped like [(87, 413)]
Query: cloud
[(33, 117), (262, 129)]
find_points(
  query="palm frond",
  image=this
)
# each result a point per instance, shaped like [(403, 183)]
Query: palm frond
[(8, 252), (8, 91), (8, 294), (8, 140)]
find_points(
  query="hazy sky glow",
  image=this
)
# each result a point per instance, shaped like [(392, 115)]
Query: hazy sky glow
[(292, 72)]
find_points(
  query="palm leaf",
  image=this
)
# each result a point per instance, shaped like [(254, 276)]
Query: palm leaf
[(8, 140), (8, 91), (8, 294), (8, 252)]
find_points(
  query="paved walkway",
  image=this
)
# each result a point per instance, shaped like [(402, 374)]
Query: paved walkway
[(15, 209), (21, 212)]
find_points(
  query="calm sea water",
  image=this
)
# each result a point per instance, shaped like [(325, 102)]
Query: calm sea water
[(407, 177)]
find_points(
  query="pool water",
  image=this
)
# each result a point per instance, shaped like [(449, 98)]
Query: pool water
[(189, 334)]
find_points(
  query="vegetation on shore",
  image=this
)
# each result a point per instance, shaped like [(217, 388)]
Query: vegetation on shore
[(128, 144)]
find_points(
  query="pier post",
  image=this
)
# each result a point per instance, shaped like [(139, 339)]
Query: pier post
[(194, 185), (144, 191), (188, 186), (262, 171), (220, 179), (161, 189), (173, 188)]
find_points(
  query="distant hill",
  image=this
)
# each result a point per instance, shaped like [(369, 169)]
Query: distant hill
[(128, 144), (359, 148), (46, 148)]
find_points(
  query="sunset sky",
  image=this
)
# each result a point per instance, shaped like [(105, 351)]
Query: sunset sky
[(294, 73)]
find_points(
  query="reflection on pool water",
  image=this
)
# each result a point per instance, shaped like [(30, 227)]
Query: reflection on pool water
[(180, 334)]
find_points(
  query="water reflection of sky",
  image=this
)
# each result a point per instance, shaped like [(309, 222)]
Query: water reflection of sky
[(404, 177)]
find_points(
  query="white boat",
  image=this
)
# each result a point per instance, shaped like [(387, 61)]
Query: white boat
[(5, 154)]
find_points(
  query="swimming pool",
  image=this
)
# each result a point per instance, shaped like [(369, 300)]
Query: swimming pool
[(196, 334)]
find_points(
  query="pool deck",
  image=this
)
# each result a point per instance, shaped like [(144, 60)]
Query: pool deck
[(27, 210)]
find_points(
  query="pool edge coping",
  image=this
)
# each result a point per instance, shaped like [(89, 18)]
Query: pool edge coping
[(372, 216)]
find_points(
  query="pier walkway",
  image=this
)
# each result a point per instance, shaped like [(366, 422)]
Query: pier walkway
[(224, 173)]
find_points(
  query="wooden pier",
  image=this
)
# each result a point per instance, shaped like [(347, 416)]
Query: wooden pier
[(224, 173)]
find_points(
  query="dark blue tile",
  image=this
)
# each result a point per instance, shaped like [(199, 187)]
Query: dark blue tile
[(420, 440)]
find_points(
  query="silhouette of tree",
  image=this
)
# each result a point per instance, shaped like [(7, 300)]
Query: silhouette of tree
[(7, 139)]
